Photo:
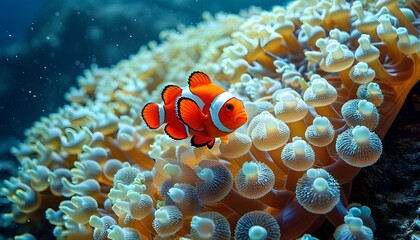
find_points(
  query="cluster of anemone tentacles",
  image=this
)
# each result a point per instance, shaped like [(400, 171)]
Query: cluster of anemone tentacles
[(321, 81)]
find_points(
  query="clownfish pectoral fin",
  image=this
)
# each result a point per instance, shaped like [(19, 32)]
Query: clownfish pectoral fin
[(176, 132), (197, 79), (224, 139), (190, 114), (170, 93), (153, 114), (201, 141)]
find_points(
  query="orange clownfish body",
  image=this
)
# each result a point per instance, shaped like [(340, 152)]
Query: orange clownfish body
[(202, 110)]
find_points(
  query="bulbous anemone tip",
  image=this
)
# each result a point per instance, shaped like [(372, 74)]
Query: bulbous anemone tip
[(254, 180), (359, 146), (353, 228), (168, 220), (317, 191), (210, 225), (218, 181), (298, 155), (257, 225)]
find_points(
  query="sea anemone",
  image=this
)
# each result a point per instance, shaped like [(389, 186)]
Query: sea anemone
[(317, 191), (210, 225), (321, 81), (257, 225)]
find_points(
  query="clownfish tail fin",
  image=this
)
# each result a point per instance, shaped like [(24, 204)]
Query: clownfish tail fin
[(153, 115)]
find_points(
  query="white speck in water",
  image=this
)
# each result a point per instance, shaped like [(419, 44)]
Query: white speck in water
[(29, 91), (117, 45), (131, 36), (34, 96), (10, 35), (45, 67), (47, 37), (57, 14)]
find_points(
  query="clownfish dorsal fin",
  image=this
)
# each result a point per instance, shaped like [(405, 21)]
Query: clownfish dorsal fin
[(170, 93), (190, 114), (197, 79)]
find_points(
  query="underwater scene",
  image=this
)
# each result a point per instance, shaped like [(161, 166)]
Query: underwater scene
[(193, 119)]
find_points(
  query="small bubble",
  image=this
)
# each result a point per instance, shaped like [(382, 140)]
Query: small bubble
[(93, 19), (57, 14)]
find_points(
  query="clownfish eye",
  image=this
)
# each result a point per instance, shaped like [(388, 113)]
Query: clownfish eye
[(229, 107)]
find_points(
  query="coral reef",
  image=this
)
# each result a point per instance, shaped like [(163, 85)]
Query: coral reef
[(322, 81)]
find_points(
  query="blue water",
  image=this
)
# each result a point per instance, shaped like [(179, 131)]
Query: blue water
[(15, 17)]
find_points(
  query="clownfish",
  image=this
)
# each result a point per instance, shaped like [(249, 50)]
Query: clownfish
[(202, 110)]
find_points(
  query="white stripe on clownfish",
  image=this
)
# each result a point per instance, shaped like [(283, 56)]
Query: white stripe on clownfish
[(186, 92), (215, 107), (161, 114)]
